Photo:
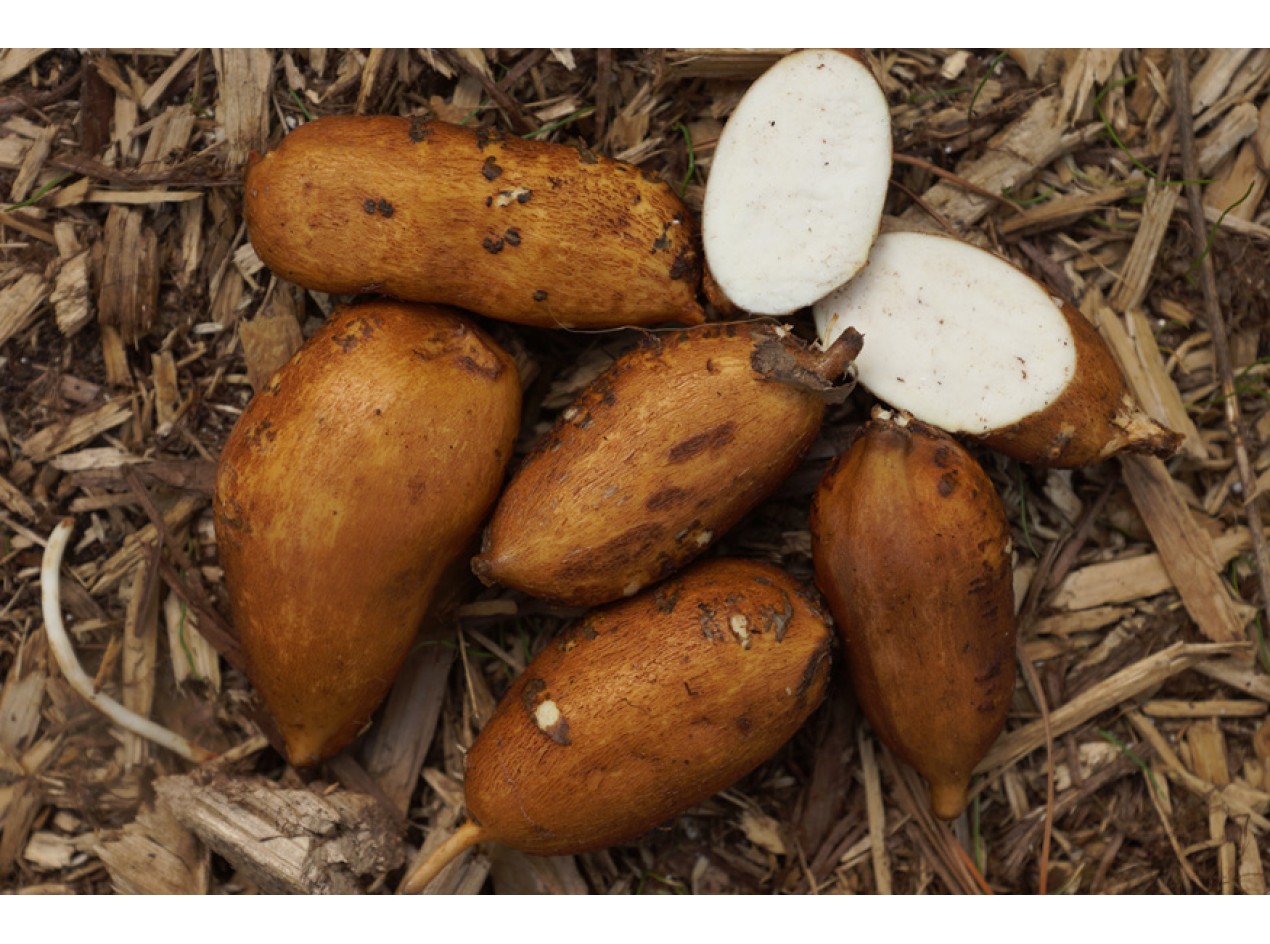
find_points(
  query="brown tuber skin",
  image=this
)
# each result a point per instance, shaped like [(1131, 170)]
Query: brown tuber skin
[(657, 458), (348, 484), (642, 709), (912, 550), (525, 231)]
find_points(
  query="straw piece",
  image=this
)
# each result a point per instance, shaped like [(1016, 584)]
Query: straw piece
[(1124, 685)]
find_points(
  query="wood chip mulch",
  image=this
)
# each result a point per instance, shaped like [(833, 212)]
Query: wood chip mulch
[(135, 320)]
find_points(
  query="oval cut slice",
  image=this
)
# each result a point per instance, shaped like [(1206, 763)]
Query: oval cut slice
[(795, 193), (953, 334)]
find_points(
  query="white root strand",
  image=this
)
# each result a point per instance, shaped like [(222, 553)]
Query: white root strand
[(64, 653)]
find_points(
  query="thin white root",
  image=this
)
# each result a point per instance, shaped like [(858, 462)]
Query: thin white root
[(64, 653)]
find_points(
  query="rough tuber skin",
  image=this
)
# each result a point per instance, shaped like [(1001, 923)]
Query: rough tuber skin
[(912, 550), (659, 457), (348, 484), (643, 708), (527, 231)]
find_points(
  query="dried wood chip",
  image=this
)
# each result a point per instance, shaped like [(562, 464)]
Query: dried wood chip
[(71, 303), (515, 873), (1186, 550), (1123, 686), (1134, 578), (129, 293), (155, 855), (1136, 351), (397, 745), (1238, 124), (136, 545), (1174, 708), (140, 197), (49, 851), (1135, 275), (876, 812), (1238, 675), (167, 390), (244, 79), (1091, 68), (273, 336), (19, 303), (13, 498), (288, 841), (67, 434), (1214, 76), (164, 81), (1063, 210), (140, 657), (15, 61), (1208, 752), (1252, 876), (193, 657), (1010, 159), (721, 63), (32, 164), (1238, 190)]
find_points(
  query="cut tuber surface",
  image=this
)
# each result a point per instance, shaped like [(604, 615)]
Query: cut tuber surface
[(795, 194)]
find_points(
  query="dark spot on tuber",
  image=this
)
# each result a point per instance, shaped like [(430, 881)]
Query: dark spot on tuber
[(385, 208), (492, 370), (369, 205), (947, 483), (512, 236), (667, 598), (420, 128), (540, 296), (714, 438), (681, 267), (492, 245), (488, 136), (490, 169)]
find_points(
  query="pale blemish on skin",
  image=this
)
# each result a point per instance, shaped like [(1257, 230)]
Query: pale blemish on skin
[(508, 197), (547, 714), (740, 627), (632, 588), (551, 722)]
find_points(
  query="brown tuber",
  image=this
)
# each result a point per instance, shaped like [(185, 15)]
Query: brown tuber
[(642, 709), (657, 458), (912, 550), (348, 484), (526, 231)]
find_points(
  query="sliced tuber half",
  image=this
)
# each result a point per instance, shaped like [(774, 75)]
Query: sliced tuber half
[(965, 341), (795, 193)]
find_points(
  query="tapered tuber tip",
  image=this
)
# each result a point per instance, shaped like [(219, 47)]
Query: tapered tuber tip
[(947, 800), (1147, 437), (422, 873)]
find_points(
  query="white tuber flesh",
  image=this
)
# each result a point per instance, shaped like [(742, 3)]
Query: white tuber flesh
[(795, 193), (954, 335)]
